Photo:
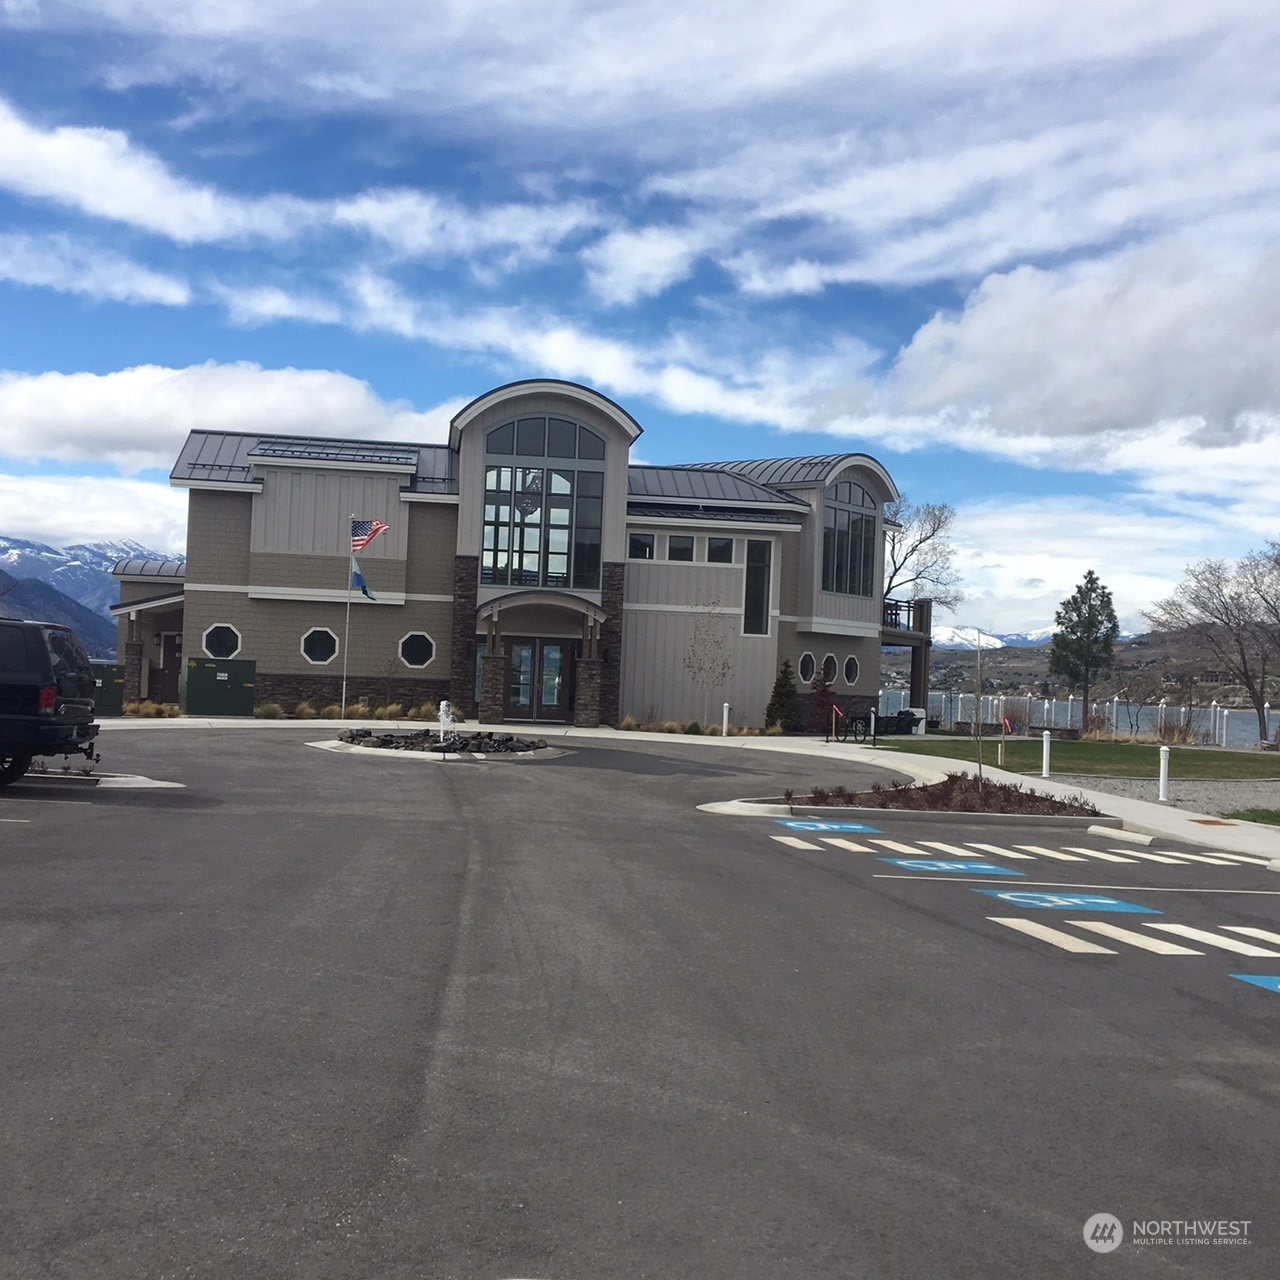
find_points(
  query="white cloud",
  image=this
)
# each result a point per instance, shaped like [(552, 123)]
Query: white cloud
[(69, 266), (628, 265), (262, 304), (61, 510), (137, 418), (99, 172)]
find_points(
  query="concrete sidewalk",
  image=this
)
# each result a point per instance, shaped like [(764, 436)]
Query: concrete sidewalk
[(1139, 816)]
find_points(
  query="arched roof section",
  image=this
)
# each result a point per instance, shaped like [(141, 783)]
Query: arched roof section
[(542, 599), (819, 469), (545, 386)]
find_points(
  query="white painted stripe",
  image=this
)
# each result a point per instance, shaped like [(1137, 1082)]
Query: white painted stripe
[(847, 845), (15, 819), (1249, 860), (1100, 854), (1056, 854), (1055, 937), (1210, 858), (1214, 940), (1249, 931), (896, 846), (794, 842), (1156, 857), (1140, 940), (953, 849), (1004, 853)]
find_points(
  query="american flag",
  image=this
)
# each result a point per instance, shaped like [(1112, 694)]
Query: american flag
[(363, 532)]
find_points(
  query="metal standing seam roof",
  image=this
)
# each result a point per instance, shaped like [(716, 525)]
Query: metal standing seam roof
[(769, 471), (704, 484), (150, 569), (742, 515), (227, 457)]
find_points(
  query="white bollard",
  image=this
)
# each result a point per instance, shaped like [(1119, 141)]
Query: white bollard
[(1222, 720), (724, 721), (1164, 775), (1044, 756)]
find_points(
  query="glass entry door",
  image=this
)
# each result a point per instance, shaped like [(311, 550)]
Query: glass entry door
[(538, 679)]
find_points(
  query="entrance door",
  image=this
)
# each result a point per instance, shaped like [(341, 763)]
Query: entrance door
[(538, 679)]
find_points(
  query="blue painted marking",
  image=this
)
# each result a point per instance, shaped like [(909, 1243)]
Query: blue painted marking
[(1067, 902), (933, 864), (797, 825), (1267, 981)]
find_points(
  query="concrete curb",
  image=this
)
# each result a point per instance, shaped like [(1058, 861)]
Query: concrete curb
[(768, 809)]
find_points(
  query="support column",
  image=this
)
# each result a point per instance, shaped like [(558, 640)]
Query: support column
[(462, 672), (133, 670), (493, 680), (586, 693)]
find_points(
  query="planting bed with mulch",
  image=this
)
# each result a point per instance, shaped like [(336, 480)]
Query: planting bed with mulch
[(956, 793)]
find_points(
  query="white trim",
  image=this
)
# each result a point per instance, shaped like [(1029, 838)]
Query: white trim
[(800, 662), (223, 486), (319, 594), (144, 606), (844, 669), (336, 464), (450, 499), (645, 523), (416, 666), (837, 627), (319, 662), (204, 641), (728, 610)]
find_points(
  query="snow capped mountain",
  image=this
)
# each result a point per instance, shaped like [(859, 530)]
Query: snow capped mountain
[(965, 638), (82, 571)]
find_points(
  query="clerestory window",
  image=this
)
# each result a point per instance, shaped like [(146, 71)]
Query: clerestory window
[(849, 540)]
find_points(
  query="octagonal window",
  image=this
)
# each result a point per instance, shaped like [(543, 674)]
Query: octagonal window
[(829, 668), (417, 649), (319, 646), (807, 668), (221, 640), (851, 670)]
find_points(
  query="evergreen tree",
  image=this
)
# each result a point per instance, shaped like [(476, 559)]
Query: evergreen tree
[(784, 701), (1087, 630)]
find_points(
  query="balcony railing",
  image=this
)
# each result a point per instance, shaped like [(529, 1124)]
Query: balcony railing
[(912, 616)]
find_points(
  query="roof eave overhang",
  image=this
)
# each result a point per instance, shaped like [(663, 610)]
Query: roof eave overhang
[(543, 386)]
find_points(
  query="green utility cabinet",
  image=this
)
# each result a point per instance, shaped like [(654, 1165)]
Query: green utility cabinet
[(217, 687), (108, 689)]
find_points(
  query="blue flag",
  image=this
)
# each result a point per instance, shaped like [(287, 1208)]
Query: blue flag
[(357, 580)]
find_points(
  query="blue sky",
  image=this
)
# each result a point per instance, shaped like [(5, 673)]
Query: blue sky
[(1025, 254)]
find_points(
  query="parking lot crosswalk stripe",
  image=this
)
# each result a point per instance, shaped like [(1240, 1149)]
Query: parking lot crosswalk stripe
[(1211, 858), (1057, 854), (1248, 859), (1156, 857), (1055, 937), (896, 846), (794, 842), (847, 845), (953, 849), (1101, 854), (1140, 940), (996, 849), (1249, 931), (1214, 940)]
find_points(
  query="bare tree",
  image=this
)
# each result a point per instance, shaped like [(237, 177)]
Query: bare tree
[(919, 559), (1233, 611), (709, 659)]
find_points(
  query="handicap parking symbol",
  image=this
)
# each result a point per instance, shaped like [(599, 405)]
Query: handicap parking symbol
[(1267, 981), (1067, 902), (799, 825), (936, 864)]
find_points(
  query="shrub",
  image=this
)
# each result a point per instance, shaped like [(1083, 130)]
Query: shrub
[(628, 723), (331, 712), (268, 711), (358, 711), (305, 711), (784, 702), (149, 710)]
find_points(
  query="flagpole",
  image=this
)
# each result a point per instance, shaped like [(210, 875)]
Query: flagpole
[(346, 636)]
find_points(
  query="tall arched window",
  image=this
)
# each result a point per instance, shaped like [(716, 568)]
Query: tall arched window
[(849, 540), (543, 504)]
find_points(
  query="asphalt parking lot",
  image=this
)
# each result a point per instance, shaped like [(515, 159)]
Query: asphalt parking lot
[(308, 1014)]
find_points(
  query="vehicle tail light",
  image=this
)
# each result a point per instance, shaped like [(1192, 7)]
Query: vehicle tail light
[(48, 699)]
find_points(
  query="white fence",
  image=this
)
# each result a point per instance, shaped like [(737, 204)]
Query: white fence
[(1228, 727)]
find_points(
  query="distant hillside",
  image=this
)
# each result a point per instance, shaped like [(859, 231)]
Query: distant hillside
[(81, 571), (32, 598)]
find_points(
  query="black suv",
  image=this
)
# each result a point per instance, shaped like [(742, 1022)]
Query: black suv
[(46, 696)]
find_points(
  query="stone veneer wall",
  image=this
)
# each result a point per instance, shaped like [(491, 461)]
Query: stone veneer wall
[(323, 691), (611, 595), (586, 697), (462, 674), (132, 652)]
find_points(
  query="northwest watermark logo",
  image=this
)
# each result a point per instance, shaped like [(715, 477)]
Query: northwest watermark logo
[(1103, 1232)]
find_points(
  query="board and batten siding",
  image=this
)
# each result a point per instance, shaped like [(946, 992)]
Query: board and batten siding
[(674, 609), (309, 513)]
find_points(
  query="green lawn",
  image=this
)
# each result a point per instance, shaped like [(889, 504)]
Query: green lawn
[(1257, 815), (1099, 759)]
